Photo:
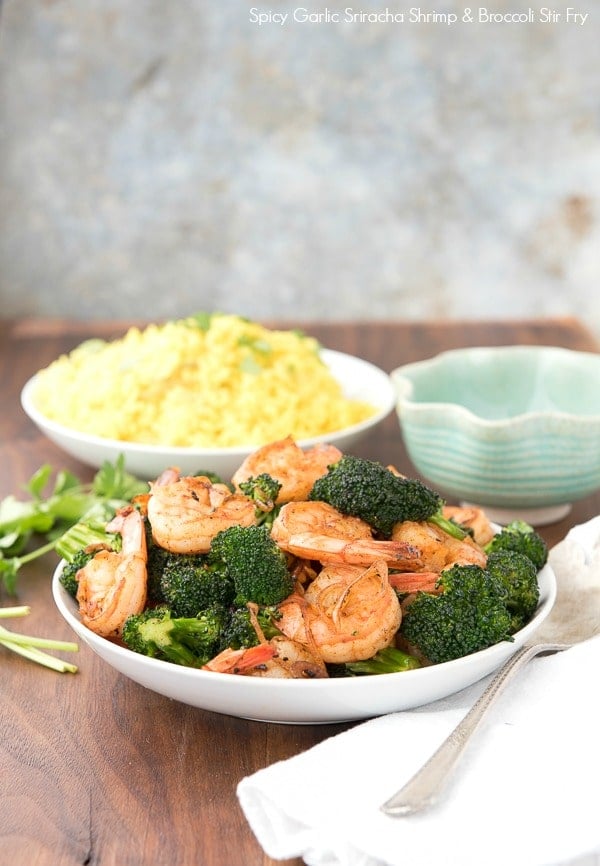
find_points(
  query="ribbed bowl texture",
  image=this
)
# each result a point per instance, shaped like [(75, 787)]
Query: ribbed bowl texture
[(512, 426)]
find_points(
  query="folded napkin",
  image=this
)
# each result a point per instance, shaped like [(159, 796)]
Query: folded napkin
[(526, 792)]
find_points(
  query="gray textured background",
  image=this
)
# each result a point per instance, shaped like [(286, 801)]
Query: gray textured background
[(159, 158)]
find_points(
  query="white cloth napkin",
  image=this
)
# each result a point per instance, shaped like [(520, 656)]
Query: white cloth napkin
[(526, 793)]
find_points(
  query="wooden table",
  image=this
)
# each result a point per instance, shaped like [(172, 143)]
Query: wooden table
[(94, 769)]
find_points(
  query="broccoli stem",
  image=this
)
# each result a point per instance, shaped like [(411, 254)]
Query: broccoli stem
[(387, 661), (447, 525)]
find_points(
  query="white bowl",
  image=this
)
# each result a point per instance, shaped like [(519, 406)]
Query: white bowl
[(320, 701), (515, 429), (360, 380)]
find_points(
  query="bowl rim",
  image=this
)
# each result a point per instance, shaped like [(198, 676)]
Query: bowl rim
[(67, 608), (47, 424), (402, 380)]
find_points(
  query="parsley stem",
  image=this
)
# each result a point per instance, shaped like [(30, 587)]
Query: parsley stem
[(41, 658), (32, 647), (42, 642), (39, 551), (16, 610)]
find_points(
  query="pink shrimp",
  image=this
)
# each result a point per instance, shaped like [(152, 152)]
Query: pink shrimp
[(295, 469), (316, 530), (348, 613), (113, 586), (186, 513)]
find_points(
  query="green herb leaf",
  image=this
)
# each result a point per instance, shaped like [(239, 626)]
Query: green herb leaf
[(50, 517), (249, 365), (113, 482), (255, 343), (38, 481), (200, 320)]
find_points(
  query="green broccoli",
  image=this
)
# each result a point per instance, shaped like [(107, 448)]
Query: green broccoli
[(78, 545), (255, 564), (68, 576), (467, 613), (239, 630), (264, 490), (157, 559), (387, 661), (367, 489), (190, 583), (519, 575), (523, 538), (190, 641)]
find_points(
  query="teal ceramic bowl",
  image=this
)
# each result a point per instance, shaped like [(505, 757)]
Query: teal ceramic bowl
[(515, 429)]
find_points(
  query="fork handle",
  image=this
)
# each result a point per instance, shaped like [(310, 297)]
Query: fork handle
[(424, 787)]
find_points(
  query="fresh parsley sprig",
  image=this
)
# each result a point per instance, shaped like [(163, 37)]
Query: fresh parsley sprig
[(49, 516)]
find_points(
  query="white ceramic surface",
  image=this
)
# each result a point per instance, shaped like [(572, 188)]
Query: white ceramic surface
[(360, 380), (319, 701), (515, 429)]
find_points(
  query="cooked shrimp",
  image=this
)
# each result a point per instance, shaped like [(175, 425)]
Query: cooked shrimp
[(347, 614), (295, 469), (186, 514), (240, 661), (438, 549), (471, 518), (279, 658), (291, 661), (411, 581), (167, 476), (316, 530), (113, 586)]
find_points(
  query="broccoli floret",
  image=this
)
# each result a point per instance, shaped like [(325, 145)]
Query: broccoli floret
[(68, 576), (190, 641), (523, 538), (240, 632), (367, 489), (467, 613), (78, 545), (190, 583), (264, 490), (519, 575), (255, 564), (157, 559), (387, 661)]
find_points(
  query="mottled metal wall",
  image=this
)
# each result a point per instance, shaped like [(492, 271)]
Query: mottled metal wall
[(159, 158)]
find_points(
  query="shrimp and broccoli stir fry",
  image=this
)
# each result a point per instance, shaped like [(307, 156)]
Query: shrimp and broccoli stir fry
[(307, 563)]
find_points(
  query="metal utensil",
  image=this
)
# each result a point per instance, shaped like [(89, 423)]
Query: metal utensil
[(570, 621), (425, 786)]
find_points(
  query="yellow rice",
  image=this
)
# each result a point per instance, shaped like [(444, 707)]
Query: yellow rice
[(207, 382)]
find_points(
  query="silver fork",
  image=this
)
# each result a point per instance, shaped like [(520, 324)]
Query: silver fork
[(424, 788)]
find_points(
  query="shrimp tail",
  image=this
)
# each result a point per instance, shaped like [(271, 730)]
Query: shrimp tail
[(358, 551), (239, 661), (411, 581)]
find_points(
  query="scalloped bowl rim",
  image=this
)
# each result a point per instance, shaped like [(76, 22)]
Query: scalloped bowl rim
[(383, 408), (320, 701), (402, 380)]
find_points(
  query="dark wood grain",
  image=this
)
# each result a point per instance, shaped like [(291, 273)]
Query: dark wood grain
[(94, 769)]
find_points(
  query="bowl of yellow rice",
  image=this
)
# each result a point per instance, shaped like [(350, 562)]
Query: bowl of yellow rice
[(201, 393)]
